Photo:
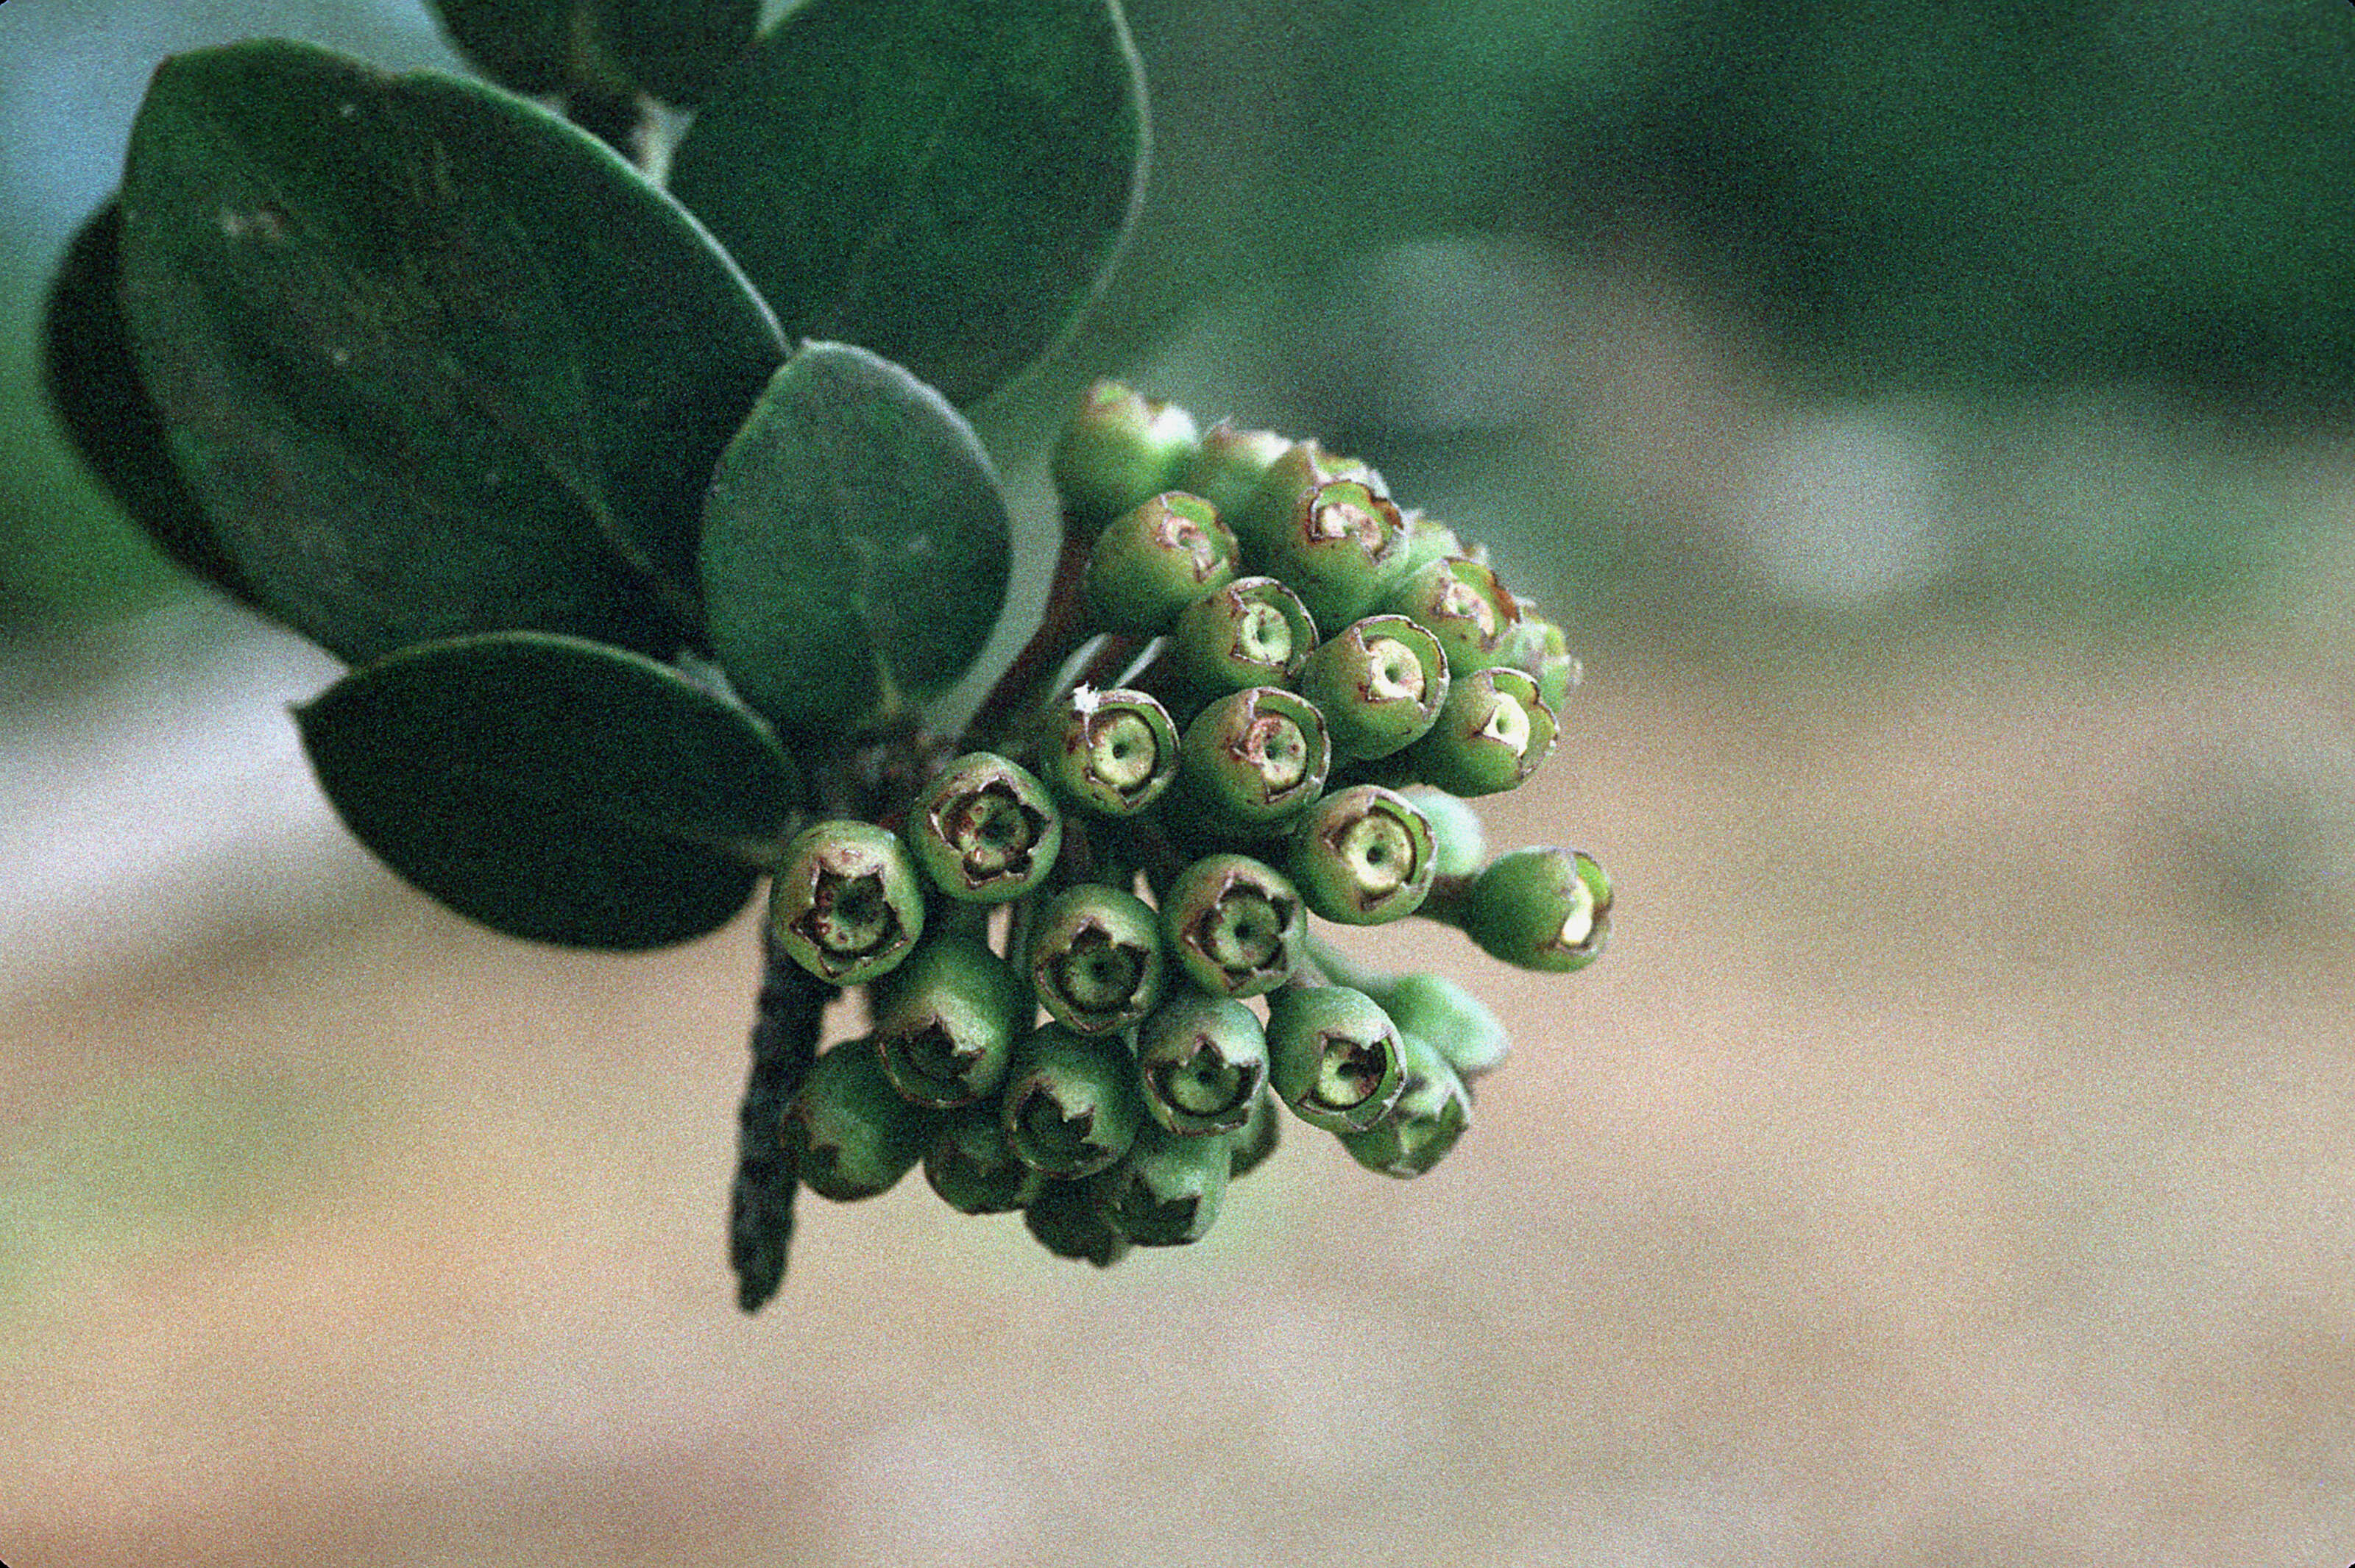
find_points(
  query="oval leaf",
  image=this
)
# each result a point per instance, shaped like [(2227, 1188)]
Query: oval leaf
[(677, 49), (945, 181), (433, 360), (673, 48), (855, 546), (554, 788), (94, 386), (525, 45)]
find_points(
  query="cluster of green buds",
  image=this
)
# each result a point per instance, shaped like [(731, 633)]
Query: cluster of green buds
[(1262, 695)]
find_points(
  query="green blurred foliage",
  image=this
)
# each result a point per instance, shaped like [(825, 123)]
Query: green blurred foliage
[(1995, 196), (1975, 204)]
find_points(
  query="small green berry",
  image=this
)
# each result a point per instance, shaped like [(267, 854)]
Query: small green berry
[(1492, 734), (1428, 539), (1252, 632), (1459, 838), (1545, 908), (1379, 685), (1457, 1023), (1259, 755), (1095, 958), (1070, 1105), (1537, 647), (1155, 559), (944, 1022), (974, 1169), (1460, 602), (1433, 1110), (1202, 1062), (1340, 548), (985, 829), (1067, 1218), (1119, 448), (1298, 472), (1166, 1192), (1234, 924), (1228, 468), (1333, 1056), (848, 902), (1111, 752), (848, 1132), (1362, 856)]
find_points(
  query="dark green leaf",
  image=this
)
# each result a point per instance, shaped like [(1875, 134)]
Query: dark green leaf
[(554, 788), (677, 49), (673, 48), (855, 545), (945, 181), (527, 44), (434, 361), (94, 386)]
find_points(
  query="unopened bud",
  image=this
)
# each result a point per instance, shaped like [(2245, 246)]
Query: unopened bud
[(1120, 448), (1540, 909), (847, 904)]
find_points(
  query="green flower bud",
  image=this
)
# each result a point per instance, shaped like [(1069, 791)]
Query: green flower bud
[(847, 904), (1228, 468), (1340, 548), (1379, 685), (1235, 925), (1458, 1024), (944, 1022), (1202, 1062), (1119, 449), (1492, 734), (1434, 1108), (1154, 560), (1429, 540), (1167, 1189), (1459, 840), (1362, 856), (985, 830), (1249, 1147), (1540, 909), (1095, 959), (1113, 752), (849, 1132), (1067, 1218), (1252, 632), (1537, 645), (1460, 602), (1333, 1056), (1070, 1105), (1298, 472), (1259, 755), (974, 1169)]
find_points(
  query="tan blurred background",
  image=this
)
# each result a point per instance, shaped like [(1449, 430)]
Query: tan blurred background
[(1952, 1162)]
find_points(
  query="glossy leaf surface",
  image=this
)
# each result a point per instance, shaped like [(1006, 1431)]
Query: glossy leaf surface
[(856, 545), (553, 788), (434, 361), (94, 386), (944, 181)]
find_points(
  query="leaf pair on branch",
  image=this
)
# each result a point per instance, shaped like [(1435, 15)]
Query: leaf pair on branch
[(431, 374)]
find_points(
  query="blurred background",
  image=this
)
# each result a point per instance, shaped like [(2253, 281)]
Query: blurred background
[(1935, 424)]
